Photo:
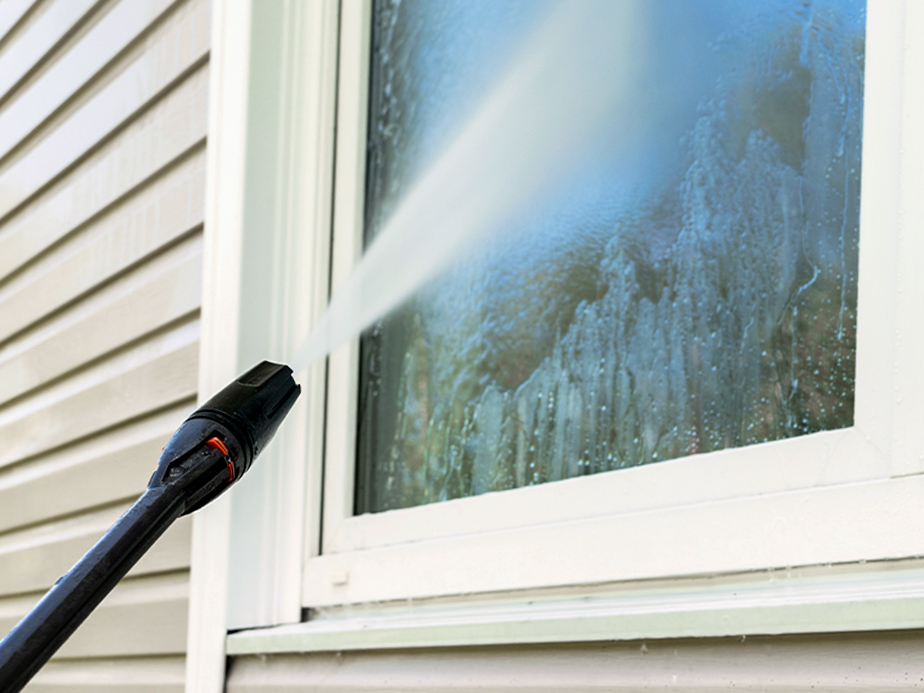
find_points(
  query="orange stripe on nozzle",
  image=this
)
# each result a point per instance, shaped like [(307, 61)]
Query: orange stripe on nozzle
[(218, 445)]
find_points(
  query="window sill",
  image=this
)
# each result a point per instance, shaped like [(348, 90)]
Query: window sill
[(852, 597)]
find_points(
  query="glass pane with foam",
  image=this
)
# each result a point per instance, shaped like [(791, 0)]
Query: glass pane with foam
[(694, 291)]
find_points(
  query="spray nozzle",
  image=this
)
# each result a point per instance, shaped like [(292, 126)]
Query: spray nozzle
[(210, 451), (227, 432)]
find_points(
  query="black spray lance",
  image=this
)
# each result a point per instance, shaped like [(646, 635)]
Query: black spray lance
[(207, 454)]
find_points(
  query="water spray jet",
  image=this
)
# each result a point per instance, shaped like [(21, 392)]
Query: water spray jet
[(562, 101)]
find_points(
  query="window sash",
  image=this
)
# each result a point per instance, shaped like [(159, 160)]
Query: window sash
[(720, 503)]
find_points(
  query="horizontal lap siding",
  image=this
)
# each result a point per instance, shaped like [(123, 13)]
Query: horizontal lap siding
[(12, 12), (56, 23), (103, 115), (848, 663), (125, 675)]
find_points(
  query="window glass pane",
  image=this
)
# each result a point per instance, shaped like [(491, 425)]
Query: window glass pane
[(699, 296)]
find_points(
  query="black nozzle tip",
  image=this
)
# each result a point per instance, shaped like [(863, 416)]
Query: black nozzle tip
[(216, 445), (252, 407)]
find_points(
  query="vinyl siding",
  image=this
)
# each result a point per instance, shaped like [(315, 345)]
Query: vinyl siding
[(103, 115), (850, 663)]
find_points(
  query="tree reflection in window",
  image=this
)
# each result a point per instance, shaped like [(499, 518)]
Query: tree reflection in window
[(707, 303)]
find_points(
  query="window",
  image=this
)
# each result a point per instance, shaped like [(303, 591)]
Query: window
[(751, 138), (650, 549), (692, 292)]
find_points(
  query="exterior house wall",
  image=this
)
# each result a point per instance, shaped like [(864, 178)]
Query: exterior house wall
[(103, 120), (103, 117), (785, 664), (822, 657)]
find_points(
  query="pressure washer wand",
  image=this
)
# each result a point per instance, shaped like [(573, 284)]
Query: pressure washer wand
[(209, 452)]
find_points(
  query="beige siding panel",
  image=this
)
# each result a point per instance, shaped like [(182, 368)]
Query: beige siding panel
[(30, 46), (167, 131), (34, 559), (163, 212), (14, 608), (126, 311), (68, 481), (142, 616), (119, 391), (879, 662), (132, 675), (183, 42), (103, 121), (11, 11), (116, 30)]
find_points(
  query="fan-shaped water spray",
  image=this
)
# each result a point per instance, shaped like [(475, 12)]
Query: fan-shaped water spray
[(538, 122)]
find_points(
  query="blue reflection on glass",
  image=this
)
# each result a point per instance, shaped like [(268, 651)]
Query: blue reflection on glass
[(693, 294)]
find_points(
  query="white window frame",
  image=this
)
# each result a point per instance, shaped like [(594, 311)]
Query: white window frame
[(667, 549)]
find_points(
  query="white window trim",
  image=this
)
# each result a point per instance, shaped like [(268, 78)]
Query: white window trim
[(507, 541), (266, 277), (840, 497), (816, 599)]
